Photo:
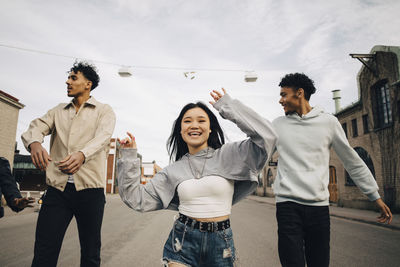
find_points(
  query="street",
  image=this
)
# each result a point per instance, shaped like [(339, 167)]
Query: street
[(134, 239)]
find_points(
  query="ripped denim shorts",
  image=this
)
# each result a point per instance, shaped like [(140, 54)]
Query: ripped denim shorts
[(194, 248)]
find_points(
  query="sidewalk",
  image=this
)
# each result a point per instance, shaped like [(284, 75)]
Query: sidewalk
[(365, 216)]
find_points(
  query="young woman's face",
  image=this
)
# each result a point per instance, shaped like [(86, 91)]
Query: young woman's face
[(195, 129)]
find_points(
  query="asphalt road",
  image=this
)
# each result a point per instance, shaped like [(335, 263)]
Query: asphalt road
[(135, 239)]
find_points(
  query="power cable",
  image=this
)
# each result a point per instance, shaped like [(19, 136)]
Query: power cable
[(117, 64)]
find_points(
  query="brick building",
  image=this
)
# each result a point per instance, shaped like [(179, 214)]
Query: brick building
[(9, 111), (372, 126), (110, 167)]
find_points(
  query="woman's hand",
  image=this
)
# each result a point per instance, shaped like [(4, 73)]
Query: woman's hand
[(216, 95), (127, 142)]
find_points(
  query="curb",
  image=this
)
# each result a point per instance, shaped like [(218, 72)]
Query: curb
[(392, 227), (333, 214)]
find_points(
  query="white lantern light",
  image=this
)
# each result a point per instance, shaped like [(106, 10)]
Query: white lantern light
[(250, 76), (125, 72)]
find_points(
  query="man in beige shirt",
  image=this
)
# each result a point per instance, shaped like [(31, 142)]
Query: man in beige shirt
[(75, 169)]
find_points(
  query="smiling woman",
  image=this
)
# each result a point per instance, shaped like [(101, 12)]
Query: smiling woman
[(205, 178), (195, 128)]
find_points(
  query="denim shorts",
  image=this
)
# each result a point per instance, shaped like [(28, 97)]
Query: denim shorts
[(193, 248)]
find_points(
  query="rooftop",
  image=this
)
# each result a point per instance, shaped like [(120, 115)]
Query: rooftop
[(12, 100)]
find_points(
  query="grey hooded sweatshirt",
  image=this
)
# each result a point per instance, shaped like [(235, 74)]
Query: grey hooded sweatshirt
[(239, 161), (304, 145)]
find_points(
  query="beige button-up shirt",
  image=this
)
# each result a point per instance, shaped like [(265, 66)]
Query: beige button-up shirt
[(89, 130)]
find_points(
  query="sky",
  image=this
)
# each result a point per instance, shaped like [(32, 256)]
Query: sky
[(162, 39)]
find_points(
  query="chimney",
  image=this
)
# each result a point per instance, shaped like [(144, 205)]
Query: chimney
[(336, 97)]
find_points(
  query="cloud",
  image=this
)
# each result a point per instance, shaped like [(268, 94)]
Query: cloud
[(271, 37)]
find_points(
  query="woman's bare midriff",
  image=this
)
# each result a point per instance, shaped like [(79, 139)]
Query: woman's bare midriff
[(214, 219)]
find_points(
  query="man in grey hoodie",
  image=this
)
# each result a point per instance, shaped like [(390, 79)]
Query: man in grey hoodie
[(305, 136)]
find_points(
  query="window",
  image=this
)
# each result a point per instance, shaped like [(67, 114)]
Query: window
[(349, 181), (368, 161), (384, 111), (365, 123), (332, 187), (354, 127), (344, 126)]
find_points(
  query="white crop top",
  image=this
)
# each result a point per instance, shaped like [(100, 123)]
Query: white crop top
[(208, 197)]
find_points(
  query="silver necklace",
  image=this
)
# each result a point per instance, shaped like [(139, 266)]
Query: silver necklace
[(198, 174)]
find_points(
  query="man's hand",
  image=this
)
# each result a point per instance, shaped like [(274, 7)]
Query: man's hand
[(23, 202), (39, 155), (386, 214), (72, 163)]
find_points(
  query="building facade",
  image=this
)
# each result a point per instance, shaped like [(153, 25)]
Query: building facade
[(9, 111), (266, 178), (372, 126), (110, 167), (148, 170)]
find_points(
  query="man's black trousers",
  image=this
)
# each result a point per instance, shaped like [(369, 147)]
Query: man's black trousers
[(56, 213), (303, 234)]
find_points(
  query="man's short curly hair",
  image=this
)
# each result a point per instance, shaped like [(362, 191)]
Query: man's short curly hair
[(88, 70), (299, 80)]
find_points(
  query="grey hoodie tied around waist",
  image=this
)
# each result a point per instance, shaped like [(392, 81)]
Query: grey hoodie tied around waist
[(239, 161)]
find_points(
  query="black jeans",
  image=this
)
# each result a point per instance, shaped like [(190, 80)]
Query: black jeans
[(303, 230), (56, 213)]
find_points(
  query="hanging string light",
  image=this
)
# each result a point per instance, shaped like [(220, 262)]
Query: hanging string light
[(126, 70)]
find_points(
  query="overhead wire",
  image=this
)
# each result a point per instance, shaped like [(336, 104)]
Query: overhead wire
[(116, 64)]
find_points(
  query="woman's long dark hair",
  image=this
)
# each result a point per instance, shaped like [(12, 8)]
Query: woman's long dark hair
[(177, 147)]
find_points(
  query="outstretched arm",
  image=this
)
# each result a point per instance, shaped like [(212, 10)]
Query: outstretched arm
[(137, 196), (8, 186), (259, 147), (359, 171)]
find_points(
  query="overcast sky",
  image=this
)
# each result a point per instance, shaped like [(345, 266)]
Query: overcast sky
[(270, 37)]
